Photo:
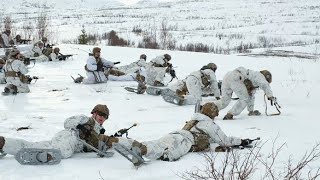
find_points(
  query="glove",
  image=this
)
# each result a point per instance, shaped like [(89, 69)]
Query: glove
[(102, 131), (173, 73), (273, 100), (218, 98), (100, 67), (245, 142)]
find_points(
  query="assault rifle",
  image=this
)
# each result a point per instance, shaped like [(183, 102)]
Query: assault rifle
[(50, 45), (62, 57), (123, 131), (24, 41), (26, 61), (30, 78)]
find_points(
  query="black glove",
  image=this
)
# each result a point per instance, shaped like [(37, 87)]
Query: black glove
[(245, 142), (273, 100), (102, 131), (218, 98), (172, 73), (100, 67)]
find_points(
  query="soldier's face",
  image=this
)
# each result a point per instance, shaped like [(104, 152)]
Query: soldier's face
[(97, 54), (99, 118)]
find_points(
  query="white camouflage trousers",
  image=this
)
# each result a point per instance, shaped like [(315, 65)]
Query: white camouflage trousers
[(22, 87), (66, 141), (172, 146), (232, 83)]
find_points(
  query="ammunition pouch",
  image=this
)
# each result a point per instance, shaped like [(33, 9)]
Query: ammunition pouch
[(183, 91), (201, 142), (25, 79), (205, 80), (201, 139), (116, 72), (10, 74), (249, 86), (47, 51)]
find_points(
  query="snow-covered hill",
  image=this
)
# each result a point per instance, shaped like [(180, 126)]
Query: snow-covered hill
[(296, 84), (220, 24)]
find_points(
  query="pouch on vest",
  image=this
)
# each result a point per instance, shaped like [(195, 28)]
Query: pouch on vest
[(47, 51), (201, 139), (249, 86), (24, 79), (190, 124), (201, 142), (205, 78)]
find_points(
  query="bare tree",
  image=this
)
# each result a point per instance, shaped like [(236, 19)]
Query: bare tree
[(42, 23), (8, 23), (242, 165), (166, 39), (28, 29)]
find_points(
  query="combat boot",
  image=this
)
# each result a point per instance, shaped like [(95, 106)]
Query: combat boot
[(143, 148), (2, 141), (254, 113), (229, 116)]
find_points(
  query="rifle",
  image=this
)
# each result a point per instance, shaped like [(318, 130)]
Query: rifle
[(78, 79), (24, 41), (26, 61), (30, 78), (50, 45), (123, 131), (64, 57), (248, 146)]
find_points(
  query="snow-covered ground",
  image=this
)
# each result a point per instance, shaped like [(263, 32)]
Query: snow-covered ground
[(296, 84)]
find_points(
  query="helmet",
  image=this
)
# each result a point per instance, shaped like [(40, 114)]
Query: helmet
[(56, 50), (211, 66), (96, 49), (14, 52), (210, 110), (167, 57), (101, 109), (267, 75), (143, 56), (44, 39), (18, 37)]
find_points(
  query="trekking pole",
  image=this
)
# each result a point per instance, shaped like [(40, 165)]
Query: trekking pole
[(275, 105)]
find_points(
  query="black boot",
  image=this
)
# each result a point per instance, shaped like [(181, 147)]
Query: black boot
[(229, 116), (2, 141)]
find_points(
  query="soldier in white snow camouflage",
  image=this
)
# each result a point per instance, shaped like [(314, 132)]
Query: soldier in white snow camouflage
[(15, 72), (95, 68), (199, 134), (197, 84), (86, 128), (156, 70), (243, 82)]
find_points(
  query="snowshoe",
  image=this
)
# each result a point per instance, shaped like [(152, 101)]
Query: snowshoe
[(167, 92), (133, 155), (134, 90), (173, 99), (130, 89), (33, 156), (153, 91)]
